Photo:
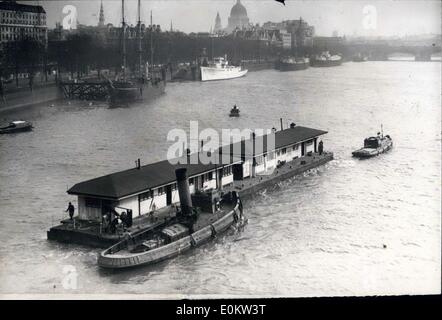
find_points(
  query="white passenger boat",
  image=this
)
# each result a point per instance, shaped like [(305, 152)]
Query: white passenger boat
[(220, 69)]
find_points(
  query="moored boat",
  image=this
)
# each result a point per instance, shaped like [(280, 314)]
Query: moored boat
[(144, 85), (220, 69), (185, 71), (374, 146), (257, 65), (293, 64), (190, 228), (131, 90), (325, 59), (16, 126)]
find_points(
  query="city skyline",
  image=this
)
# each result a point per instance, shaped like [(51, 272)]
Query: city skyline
[(328, 17)]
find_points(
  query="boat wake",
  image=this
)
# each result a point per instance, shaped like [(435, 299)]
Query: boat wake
[(341, 163)]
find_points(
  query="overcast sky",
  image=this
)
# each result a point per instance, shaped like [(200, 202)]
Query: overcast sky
[(394, 17)]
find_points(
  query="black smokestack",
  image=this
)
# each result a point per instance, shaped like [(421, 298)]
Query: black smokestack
[(183, 191)]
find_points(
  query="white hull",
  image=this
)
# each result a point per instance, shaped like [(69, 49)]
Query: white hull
[(210, 73)]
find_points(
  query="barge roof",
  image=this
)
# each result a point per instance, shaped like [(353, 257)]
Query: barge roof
[(137, 180), (283, 138)]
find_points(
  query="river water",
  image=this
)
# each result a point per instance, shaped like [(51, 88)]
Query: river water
[(350, 227)]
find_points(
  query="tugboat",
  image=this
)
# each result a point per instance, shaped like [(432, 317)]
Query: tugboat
[(16, 126), (374, 146), (293, 64), (141, 87), (220, 69), (192, 226), (234, 112), (325, 59)]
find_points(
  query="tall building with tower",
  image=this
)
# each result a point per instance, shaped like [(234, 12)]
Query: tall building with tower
[(101, 17), (218, 25)]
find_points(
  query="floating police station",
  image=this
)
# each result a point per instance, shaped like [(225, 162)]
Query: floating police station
[(147, 195)]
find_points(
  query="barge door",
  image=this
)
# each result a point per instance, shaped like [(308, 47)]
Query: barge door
[(237, 172), (169, 195)]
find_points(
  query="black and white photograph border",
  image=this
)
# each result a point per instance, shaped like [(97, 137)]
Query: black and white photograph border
[(213, 149)]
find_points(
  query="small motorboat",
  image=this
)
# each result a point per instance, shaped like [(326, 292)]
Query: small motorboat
[(16, 126), (374, 146), (234, 112)]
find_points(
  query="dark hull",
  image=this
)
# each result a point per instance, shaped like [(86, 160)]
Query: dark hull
[(187, 73), (361, 154), (257, 66), (111, 257), (284, 66), (15, 130), (120, 95), (326, 63)]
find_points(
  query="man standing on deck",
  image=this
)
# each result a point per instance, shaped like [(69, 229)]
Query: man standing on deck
[(320, 147), (71, 210)]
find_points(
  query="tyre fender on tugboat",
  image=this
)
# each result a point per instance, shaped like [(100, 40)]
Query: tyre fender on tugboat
[(213, 231)]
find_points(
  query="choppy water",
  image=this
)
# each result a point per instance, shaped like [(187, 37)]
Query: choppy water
[(317, 234)]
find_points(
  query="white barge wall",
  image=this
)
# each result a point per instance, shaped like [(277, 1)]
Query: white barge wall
[(146, 205), (296, 151), (270, 161), (259, 169), (130, 203), (210, 184), (175, 196), (247, 168), (309, 146), (159, 201), (226, 180), (88, 213)]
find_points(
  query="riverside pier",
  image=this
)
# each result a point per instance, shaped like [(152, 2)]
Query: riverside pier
[(85, 90)]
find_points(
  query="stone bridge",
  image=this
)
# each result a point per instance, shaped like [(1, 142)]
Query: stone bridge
[(383, 51)]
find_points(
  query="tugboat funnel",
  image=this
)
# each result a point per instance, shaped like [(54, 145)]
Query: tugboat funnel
[(184, 191)]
